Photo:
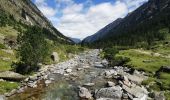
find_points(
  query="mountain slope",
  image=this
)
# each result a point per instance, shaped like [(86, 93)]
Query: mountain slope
[(76, 40), (141, 25), (26, 12), (103, 32)]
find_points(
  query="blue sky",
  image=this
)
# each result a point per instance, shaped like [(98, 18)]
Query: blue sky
[(81, 18)]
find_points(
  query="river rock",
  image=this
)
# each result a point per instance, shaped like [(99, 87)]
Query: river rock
[(98, 65), (84, 93), (159, 96), (141, 97), (110, 73), (125, 96), (33, 78), (68, 70), (9, 75), (78, 69), (89, 84), (32, 84), (2, 97), (11, 93), (126, 81), (47, 82), (110, 84), (136, 91), (86, 66), (114, 93), (104, 63)]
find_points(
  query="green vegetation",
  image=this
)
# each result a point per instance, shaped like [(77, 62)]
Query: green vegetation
[(110, 55), (6, 64), (7, 86), (146, 62), (149, 61), (33, 49), (64, 50)]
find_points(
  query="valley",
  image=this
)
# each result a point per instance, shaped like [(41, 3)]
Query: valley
[(128, 59)]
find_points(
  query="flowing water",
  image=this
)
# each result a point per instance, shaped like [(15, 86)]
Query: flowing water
[(66, 87)]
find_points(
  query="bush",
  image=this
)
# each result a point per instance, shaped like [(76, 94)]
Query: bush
[(119, 61), (33, 48), (2, 46), (110, 53)]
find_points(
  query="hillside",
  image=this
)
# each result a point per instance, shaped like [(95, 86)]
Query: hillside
[(141, 25), (25, 12), (103, 32)]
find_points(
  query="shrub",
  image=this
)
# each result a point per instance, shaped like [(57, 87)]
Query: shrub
[(2, 46), (33, 47), (109, 53), (119, 61)]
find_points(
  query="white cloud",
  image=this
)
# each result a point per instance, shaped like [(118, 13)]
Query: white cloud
[(45, 9), (74, 23), (133, 4), (84, 19)]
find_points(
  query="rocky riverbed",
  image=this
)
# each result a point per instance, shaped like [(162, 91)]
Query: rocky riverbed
[(84, 77)]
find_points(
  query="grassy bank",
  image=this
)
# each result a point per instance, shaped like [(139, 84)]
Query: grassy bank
[(148, 60)]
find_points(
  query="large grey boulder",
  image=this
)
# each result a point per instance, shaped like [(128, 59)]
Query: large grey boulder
[(9, 75), (111, 93)]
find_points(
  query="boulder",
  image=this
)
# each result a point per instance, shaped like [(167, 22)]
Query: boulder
[(105, 62), (110, 73), (126, 81), (32, 84), (89, 84), (110, 84), (112, 93), (98, 65), (47, 82), (9, 75), (137, 79), (84, 93), (33, 78), (136, 91), (86, 66), (78, 69), (55, 57), (2, 97), (68, 70)]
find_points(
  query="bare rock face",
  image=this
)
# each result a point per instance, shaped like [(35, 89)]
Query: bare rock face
[(9, 75)]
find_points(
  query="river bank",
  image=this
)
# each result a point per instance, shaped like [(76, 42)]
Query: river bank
[(86, 76)]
